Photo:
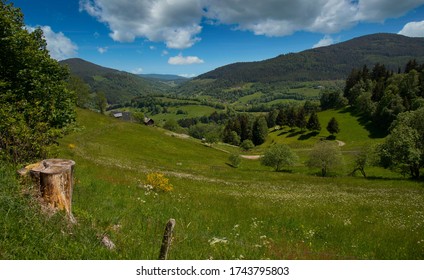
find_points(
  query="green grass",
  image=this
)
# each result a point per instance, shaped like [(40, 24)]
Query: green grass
[(221, 212)]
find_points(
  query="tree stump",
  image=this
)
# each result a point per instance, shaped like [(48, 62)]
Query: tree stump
[(55, 181)]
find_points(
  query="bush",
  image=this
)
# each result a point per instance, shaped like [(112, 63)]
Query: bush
[(158, 182), (247, 145), (235, 160)]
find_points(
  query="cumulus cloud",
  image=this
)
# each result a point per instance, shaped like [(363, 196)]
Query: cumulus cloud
[(102, 50), (413, 29), (175, 22), (60, 47), (178, 23), (184, 60), (326, 41)]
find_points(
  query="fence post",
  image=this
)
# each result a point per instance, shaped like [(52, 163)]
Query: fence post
[(167, 239)]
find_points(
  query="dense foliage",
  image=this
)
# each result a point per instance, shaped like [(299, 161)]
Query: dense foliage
[(35, 104), (381, 95), (403, 148)]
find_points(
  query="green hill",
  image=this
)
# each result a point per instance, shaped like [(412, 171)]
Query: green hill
[(310, 69), (118, 86), (324, 63)]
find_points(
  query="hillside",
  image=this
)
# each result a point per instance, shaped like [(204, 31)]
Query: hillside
[(324, 63), (118, 86)]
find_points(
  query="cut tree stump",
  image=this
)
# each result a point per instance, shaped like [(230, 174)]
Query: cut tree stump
[(54, 178)]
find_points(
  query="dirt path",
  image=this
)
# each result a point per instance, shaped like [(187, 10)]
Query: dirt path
[(341, 143), (251, 157)]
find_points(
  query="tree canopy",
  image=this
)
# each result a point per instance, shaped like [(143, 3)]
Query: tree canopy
[(403, 148), (279, 156), (35, 103)]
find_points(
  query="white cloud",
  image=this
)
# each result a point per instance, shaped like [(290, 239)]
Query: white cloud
[(187, 75), (102, 50), (137, 71), (184, 60), (178, 23), (413, 29), (165, 53), (326, 41), (60, 47), (175, 22)]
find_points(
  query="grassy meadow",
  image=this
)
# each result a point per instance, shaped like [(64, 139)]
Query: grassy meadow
[(221, 212)]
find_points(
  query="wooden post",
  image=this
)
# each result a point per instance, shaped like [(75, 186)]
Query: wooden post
[(167, 239)]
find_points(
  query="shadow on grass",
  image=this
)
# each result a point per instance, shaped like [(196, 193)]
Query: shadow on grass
[(295, 133), (282, 133), (366, 122), (308, 135)]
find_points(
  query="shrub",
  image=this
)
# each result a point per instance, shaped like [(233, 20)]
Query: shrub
[(158, 182), (235, 160), (247, 145)]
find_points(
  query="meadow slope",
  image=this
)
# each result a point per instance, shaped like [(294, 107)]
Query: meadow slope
[(226, 213)]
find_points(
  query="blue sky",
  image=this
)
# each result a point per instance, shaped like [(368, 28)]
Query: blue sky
[(191, 37)]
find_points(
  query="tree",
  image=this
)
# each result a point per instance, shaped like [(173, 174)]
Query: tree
[(362, 159), (101, 102), (333, 126), (332, 98), (301, 118), (35, 104), (171, 125), (247, 145), (403, 148), (325, 155), (82, 91), (313, 122), (279, 156), (260, 131)]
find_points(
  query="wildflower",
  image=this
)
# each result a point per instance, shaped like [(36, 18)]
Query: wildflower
[(158, 181), (71, 146), (216, 240)]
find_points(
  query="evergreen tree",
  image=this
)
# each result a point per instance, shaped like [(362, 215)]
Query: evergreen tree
[(333, 126), (260, 131), (301, 119), (313, 122)]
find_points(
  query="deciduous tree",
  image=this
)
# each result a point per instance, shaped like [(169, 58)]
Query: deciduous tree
[(279, 156), (35, 103)]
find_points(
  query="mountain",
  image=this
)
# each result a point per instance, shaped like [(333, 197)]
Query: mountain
[(118, 86), (324, 63), (171, 80)]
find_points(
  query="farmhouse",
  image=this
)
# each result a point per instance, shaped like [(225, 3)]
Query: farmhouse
[(126, 116), (148, 121)]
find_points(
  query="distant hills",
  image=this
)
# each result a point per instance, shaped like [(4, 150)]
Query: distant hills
[(324, 63), (118, 86)]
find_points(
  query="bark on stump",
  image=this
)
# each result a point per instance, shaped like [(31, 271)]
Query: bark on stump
[(54, 178)]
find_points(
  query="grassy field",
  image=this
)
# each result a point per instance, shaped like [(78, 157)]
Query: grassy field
[(250, 212)]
